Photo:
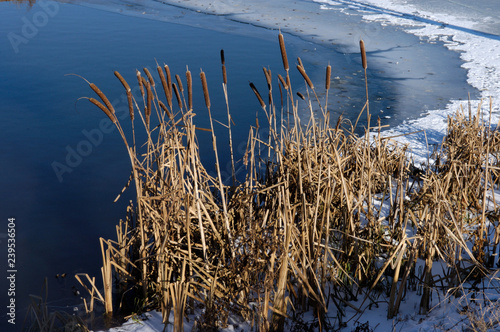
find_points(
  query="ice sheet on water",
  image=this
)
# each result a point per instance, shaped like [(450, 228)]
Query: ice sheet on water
[(472, 29)]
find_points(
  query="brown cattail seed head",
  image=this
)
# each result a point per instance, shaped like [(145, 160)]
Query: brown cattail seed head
[(222, 59), (299, 60), (363, 53), (283, 52), (254, 89), (166, 89), (267, 73), (305, 76), (139, 79), (328, 76), (150, 78), (103, 97), (129, 94), (147, 111), (224, 75), (169, 79), (177, 95), (104, 109), (283, 82), (205, 89), (179, 83)]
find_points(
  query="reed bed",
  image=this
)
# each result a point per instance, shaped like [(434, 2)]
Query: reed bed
[(320, 221)]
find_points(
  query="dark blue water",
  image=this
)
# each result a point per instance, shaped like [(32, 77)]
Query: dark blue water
[(60, 170)]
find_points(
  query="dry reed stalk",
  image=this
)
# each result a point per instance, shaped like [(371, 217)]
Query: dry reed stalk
[(107, 276), (365, 66), (189, 81), (303, 223)]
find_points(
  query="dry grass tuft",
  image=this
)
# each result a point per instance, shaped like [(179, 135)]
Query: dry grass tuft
[(321, 218)]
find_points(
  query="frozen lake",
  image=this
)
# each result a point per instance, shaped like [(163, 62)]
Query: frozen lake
[(423, 57)]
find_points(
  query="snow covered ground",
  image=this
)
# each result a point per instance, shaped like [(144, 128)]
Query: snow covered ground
[(472, 29)]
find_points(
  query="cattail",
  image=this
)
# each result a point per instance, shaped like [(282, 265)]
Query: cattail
[(267, 73), (205, 89), (303, 73), (129, 94), (301, 96), (177, 95), (223, 61), (166, 89), (283, 82), (363, 53), (189, 80), (254, 89), (283, 51), (300, 62), (169, 79), (122, 81), (164, 108), (179, 83), (224, 74), (104, 109), (139, 79), (103, 97), (222, 58), (147, 111), (328, 76), (150, 78)]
